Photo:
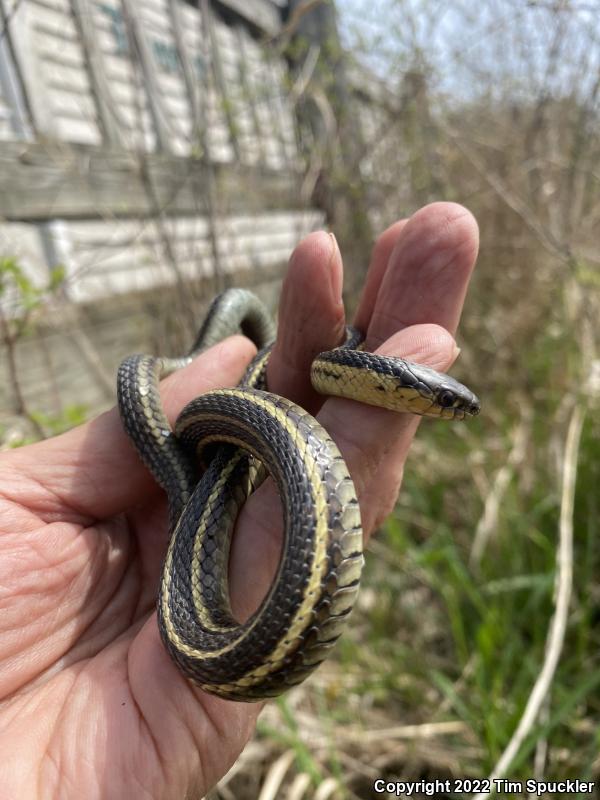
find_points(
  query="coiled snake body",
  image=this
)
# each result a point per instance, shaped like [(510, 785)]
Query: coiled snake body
[(260, 433)]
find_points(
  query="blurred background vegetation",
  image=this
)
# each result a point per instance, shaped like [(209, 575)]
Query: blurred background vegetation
[(484, 582)]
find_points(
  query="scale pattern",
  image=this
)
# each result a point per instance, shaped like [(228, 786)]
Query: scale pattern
[(239, 436)]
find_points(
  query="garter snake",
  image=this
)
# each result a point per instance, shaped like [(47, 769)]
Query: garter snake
[(259, 433)]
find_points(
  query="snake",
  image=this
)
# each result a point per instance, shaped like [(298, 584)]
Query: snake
[(223, 445)]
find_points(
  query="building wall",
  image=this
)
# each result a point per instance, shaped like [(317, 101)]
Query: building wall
[(143, 146)]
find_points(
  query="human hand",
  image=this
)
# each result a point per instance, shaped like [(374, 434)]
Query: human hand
[(89, 699)]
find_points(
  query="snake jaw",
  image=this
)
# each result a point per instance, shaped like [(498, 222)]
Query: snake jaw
[(450, 399)]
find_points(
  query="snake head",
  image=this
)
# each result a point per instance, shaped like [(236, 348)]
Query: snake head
[(446, 397), (392, 383)]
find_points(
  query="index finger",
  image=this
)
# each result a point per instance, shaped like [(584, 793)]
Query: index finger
[(427, 273)]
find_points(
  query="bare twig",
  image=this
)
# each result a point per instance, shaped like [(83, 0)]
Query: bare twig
[(327, 789), (541, 748), (305, 74), (291, 26), (10, 341), (558, 624), (546, 238), (6, 17), (299, 787), (104, 378), (493, 501), (276, 774)]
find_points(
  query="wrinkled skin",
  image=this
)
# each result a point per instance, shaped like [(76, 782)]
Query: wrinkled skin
[(91, 704)]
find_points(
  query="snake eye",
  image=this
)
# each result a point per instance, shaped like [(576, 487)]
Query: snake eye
[(446, 399)]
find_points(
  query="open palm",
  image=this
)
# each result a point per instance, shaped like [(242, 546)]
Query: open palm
[(89, 699)]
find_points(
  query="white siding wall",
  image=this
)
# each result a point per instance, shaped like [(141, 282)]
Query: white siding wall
[(240, 108), (104, 258), (238, 113)]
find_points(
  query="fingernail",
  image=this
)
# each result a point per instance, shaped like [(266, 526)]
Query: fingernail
[(335, 274), (455, 352)]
